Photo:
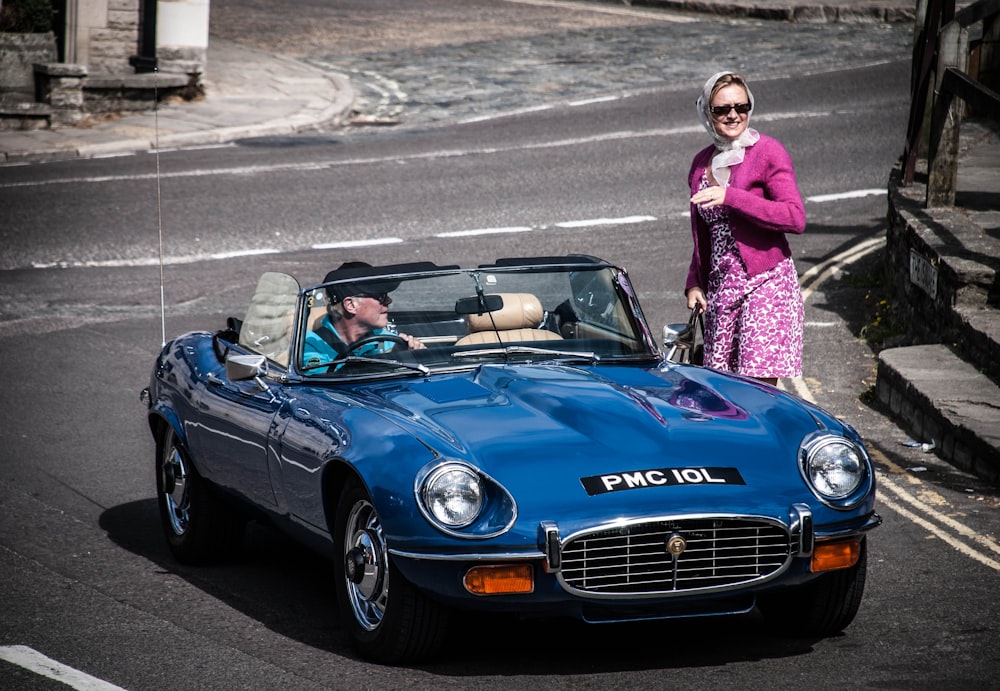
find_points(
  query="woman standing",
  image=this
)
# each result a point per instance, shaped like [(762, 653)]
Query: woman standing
[(744, 199)]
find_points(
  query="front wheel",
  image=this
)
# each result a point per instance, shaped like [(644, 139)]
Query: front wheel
[(389, 620), (823, 607), (199, 527)]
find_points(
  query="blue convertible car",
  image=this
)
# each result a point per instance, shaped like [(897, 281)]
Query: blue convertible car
[(507, 437)]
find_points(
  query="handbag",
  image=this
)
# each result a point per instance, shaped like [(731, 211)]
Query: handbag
[(689, 344)]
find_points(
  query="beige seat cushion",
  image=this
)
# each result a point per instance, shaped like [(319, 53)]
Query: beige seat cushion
[(517, 320), (482, 337)]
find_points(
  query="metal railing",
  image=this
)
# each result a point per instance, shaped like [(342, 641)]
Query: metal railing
[(941, 56)]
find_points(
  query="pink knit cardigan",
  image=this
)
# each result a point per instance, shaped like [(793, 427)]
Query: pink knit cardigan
[(763, 203)]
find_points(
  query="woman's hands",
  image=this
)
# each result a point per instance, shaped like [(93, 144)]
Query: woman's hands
[(696, 298), (709, 197)]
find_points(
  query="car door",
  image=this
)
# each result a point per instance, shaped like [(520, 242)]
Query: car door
[(233, 435), (240, 402), (312, 429)]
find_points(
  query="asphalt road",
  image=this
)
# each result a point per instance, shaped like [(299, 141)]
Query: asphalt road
[(86, 577)]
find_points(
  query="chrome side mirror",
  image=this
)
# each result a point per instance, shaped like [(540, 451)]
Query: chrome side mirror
[(678, 341), (243, 367), (671, 333)]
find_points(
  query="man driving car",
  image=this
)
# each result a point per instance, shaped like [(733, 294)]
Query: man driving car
[(355, 311)]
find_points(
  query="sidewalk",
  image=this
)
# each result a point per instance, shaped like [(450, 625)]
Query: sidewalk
[(248, 94)]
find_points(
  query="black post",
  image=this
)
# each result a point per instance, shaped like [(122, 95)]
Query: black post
[(145, 61)]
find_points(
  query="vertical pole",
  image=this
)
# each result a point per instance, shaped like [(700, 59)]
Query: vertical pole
[(70, 35), (989, 55), (182, 36), (942, 163), (925, 38)]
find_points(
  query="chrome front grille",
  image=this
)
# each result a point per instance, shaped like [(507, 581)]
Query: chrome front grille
[(635, 559)]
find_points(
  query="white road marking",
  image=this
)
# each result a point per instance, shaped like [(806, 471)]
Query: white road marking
[(856, 194), (590, 223), (937, 531), (371, 242), (33, 661), (598, 99), (505, 114), (949, 522), (484, 231), (151, 261), (819, 273)]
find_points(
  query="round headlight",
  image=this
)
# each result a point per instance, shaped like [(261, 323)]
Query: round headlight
[(834, 467), (453, 495)]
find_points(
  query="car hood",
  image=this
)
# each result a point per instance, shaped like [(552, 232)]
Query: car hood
[(547, 431)]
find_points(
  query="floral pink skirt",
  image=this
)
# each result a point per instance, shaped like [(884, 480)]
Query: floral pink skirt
[(753, 325)]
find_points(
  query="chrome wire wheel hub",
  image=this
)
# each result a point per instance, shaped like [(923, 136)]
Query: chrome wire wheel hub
[(175, 491), (366, 565)]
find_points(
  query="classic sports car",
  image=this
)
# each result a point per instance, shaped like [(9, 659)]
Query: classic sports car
[(511, 439)]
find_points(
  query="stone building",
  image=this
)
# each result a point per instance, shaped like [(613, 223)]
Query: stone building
[(103, 56), (121, 36)]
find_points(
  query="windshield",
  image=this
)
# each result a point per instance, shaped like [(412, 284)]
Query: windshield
[(388, 323)]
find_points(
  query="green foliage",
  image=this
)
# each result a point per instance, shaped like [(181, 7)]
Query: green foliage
[(26, 16), (882, 325)]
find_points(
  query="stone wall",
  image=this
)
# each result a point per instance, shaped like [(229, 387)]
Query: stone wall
[(944, 272), (18, 54), (112, 46)]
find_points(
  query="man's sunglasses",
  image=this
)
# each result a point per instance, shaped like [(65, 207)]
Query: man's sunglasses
[(741, 108), (383, 298)]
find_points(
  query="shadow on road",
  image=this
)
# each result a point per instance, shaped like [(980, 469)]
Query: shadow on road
[(289, 590)]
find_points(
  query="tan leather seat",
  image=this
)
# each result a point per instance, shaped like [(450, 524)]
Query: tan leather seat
[(316, 314), (517, 320)]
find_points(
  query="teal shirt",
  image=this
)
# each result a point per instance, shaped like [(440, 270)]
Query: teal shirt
[(317, 351)]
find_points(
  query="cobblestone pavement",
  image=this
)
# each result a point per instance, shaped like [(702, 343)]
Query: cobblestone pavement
[(424, 63), (459, 81)]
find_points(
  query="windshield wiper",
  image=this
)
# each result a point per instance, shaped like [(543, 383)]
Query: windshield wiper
[(530, 350), (416, 366)]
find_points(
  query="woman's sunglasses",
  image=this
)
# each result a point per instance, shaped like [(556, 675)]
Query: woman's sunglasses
[(741, 108)]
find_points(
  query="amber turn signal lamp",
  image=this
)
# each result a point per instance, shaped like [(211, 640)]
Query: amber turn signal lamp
[(499, 580), (835, 555)]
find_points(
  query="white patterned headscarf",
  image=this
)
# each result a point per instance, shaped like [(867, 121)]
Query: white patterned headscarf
[(729, 152)]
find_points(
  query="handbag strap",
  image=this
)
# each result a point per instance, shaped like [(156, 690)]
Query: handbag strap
[(696, 317)]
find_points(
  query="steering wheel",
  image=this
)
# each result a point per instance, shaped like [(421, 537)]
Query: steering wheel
[(377, 338)]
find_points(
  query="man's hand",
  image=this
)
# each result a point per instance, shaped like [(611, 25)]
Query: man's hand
[(413, 342)]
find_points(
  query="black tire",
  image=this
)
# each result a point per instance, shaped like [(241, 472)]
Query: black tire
[(199, 527), (823, 607), (388, 625)]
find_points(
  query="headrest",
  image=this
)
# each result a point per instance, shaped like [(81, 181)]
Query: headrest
[(519, 311)]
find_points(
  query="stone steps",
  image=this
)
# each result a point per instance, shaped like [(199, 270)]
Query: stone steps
[(945, 268)]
